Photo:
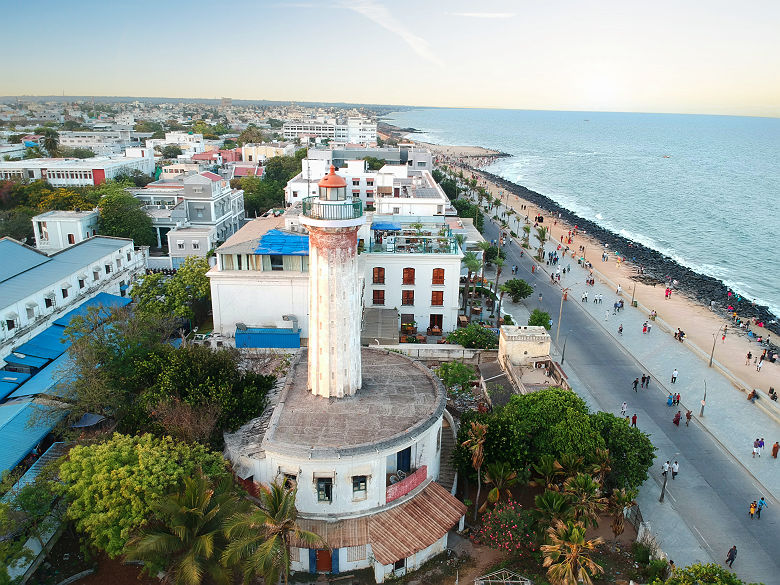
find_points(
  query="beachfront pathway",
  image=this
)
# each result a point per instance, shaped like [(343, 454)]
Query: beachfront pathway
[(705, 511)]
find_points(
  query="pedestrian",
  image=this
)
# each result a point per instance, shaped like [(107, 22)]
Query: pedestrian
[(731, 556), (674, 376), (675, 469), (633, 420), (644, 328), (688, 417), (748, 358), (636, 383), (755, 448), (761, 504), (760, 446), (676, 420), (620, 329), (665, 468), (759, 364), (642, 384), (753, 506), (649, 327), (775, 449), (623, 409), (647, 381), (677, 399), (670, 399), (619, 290)]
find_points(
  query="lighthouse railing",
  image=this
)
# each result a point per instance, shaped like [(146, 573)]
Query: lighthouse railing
[(316, 209)]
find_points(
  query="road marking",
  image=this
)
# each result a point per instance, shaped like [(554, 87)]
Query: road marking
[(668, 493), (701, 536)]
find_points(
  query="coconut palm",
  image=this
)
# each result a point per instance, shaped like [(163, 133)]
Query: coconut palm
[(186, 538), (526, 236), (568, 465), (502, 290), (475, 444), (552, 506), (586, 498), (545, 473), (601, 466), (541, 233), (260, 539), (474, 286), (499, 262), (472, 264), (619, 500), (51, 141), (502, 478), (484, 246), (567, 556)]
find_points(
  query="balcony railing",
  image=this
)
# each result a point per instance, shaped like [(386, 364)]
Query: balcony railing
[(403, 487), (441, 245), (314, 208)]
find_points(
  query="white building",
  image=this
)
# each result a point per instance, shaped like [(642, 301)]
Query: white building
[(36, 288), (358, 431), (355, 130), (55, 230), (189, 142), (360, 181), (73, 172), (104, 143), (255, 153), (401, 191)]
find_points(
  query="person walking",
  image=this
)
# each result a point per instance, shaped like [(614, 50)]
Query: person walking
[(748, 357), (731, 556), (649, 327), (761, 504), (623, 409), (674, 376), (760, 446), (642, 383), (675, 469), (677, 399), (636, 384), (644, 328), (665, 468), (755, 448), (606, 316), (633, 420), (620, 329), (676, 419), (688, 417), (752, 510), (647, 381), (775, 449)]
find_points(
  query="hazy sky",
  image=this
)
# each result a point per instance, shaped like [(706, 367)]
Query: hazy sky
[(698, 56)]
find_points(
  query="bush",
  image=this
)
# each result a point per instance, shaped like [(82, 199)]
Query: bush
[(641, 553), (474, 337), (540, 318), (507, 527), (456, 376), (656, 569)]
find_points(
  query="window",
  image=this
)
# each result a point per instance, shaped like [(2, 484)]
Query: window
[(370, 182), (324, 489), (359, 487), (355, 182), (118, 263), (379, 297), (10, 324), (396, 210), (108, 268), (408, 276), (71, 239), (437, 298), (438, 276), (195, 245), (95, 275), (407, 297), (180, 244), (399, 565), (277, 262), (64, 293), (30, 312), (82, 283), (379, 275), (48, 302), (128, 256), (290, 480)]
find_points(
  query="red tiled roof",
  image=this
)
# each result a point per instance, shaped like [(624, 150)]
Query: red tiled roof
[(212, 176), (247, 171), (210, 155)]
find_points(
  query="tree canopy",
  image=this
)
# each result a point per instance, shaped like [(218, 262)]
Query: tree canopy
[(374, 164), (702, 574), (186, 294), (122, 215), (171, 151), (474, 336), (540, 319), (518, 289), (456, 377), (252, 134)]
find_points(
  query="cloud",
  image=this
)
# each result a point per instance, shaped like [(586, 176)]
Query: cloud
[(381, 16), (484, 14)]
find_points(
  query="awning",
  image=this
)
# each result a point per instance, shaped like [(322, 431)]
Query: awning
[(12, 316), (396, 533), (49, 295), (66, 285), (386, 226), (31, 305), (88, 420)]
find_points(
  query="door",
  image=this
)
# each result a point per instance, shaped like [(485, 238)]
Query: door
[(404, 460), (436, 321), (324, 561)]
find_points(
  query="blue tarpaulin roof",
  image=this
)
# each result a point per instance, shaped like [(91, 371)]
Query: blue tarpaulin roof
[(13, 377), (6, 388), (26, 360), (46, 381), (268, 337), (103, 300), (282, 243), (385, 226), (17, 437), (50, 343)]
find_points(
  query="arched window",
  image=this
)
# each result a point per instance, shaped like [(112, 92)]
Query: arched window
[(408, 275), (438, 276), (379, 275)]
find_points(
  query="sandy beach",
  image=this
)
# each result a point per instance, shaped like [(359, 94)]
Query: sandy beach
[(701, 325)]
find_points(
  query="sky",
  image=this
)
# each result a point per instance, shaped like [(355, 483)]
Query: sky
[(689, 56)]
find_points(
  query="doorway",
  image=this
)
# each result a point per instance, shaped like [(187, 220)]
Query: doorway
[(324, 561)]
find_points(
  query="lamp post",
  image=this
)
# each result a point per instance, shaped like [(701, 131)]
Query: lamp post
[(563, 352), (633, 290), (703, 400), (714, 340), (663, 488), (560, 314)]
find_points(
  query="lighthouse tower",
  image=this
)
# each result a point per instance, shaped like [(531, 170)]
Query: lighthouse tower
[(333, 219)]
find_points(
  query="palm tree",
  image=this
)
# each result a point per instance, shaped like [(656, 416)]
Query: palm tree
[(618, 502), (569, 465), (541, 233), (472, 265), (51, 141), (526, 236), (502, 478), (484, 246), (545, 472), (260, 539), (474, 287), (602, 465), (499, 266), (552, 506), (502, 289), (567, 556), (585, 498), (476, 446), (186, 539)]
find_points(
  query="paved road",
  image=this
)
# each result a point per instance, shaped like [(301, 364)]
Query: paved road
[(712, 492)]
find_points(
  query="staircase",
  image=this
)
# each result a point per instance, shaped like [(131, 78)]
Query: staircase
[(447, 472)]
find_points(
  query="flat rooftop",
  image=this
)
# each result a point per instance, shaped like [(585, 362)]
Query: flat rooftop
[(58, 214), (399, 398)]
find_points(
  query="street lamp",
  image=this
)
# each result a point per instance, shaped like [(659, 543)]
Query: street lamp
[(703, 400), (560, 313), (563, 352), (663, 487), (714, 340)]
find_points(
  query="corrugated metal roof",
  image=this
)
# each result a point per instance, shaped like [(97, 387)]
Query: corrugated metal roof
[(25, 360), (6, 388), (254, 337), (47, 380), (396, 533), (102, 300), (53, 269), (17, 437), (283, 243), (17, 258), (49, 343)]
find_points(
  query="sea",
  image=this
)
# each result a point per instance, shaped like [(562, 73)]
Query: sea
[(703, 190)]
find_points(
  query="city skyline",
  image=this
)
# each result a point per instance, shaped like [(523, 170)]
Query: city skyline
[(697, 58)]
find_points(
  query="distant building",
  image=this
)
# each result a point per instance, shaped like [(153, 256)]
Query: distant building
[(56, 230), (104, 143), (360, 181), (260, 152), (217, 157), (353, 129), (418, 159), (36, 288), (189, 142), (72, 172)]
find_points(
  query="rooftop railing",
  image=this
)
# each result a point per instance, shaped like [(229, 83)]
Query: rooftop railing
[(315, 208)]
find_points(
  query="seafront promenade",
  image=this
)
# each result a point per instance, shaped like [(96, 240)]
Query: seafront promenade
[(705, 509)]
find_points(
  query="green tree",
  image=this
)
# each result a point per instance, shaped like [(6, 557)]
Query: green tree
[(631, 451), (540, 318), (229, 144), (541, 234), (374, 164), (189, 291), (518, 289), (147, 126), (586, 499), (457, 377), (568, 555), (260, 195), (552, 506), (135, 177), (503, 478), (122, 215), (171, 151), (260, 540), (281, 169), (185, 539), (252, 134), (77, 152), (111, 486), (619, 500), (17, 224), (474, 336), (702, 574), (475, 445), (51, 141), (472, 264)]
